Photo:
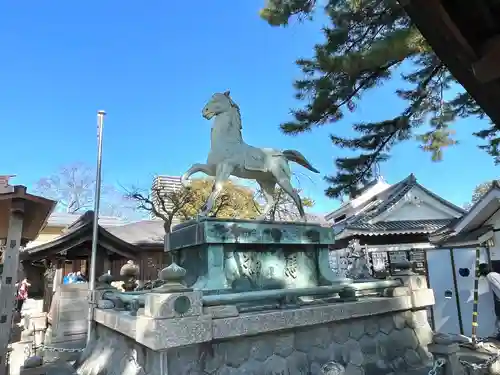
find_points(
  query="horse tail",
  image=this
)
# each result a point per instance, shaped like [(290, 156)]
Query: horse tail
[(298, 158)]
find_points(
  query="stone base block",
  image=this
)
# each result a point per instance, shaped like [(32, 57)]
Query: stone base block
[(37, 337), (59, 367), (252, 255), (422, 297), (172, 305), (217, 312), (35, 321), (414, 282)]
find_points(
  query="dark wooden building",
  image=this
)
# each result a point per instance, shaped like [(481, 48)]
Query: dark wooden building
[(140, 241)]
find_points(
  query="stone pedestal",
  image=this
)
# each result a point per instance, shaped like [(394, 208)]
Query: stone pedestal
[(67, 322), (35, 325), (34, 368), (252, 255)]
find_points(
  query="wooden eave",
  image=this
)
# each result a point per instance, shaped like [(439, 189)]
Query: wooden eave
[(474, 63), (35, 210)]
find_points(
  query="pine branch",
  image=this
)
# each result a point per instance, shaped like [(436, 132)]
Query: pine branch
[(360, 168), (365, 40)]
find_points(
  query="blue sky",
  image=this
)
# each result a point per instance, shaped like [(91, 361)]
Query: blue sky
[(152, 68)]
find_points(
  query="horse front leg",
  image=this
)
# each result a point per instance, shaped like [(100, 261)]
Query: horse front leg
[(195, 168), (222, 174)]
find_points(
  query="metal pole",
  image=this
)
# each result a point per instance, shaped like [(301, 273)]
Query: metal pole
[(95, 228), (476, 299)]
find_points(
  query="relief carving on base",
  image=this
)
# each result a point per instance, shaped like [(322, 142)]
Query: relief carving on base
[(257, 270)]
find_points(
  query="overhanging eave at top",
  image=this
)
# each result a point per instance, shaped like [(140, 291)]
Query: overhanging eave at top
[(482, 211), (450, 45), (34, 209)]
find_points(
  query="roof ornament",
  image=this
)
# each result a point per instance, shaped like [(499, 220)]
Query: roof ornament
[(4, 183), (413, 199)]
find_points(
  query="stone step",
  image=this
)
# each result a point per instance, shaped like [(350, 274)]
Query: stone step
[(59, 353), (54, 368)]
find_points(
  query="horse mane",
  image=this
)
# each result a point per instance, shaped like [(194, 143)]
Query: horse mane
[(236, 118)]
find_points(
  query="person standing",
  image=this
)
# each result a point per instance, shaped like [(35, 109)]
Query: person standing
[(22, 294), (493, 279)]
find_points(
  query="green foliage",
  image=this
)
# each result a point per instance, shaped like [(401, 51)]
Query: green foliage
[(278, 12), (185, 203), (235, 201), (478, 193), (364, 43)]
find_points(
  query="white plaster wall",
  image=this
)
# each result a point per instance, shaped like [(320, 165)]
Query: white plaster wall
[(495, 250), (410, 211), (420, 207)]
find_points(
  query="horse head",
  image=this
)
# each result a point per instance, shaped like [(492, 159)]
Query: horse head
[(221, 103)]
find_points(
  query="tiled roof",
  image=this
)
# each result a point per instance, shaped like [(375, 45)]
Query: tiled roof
[(403, 226), (447, 236), (361, 224), (63, 219), (145, 232)]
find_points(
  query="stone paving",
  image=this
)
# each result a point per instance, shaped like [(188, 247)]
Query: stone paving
[(18, 355)]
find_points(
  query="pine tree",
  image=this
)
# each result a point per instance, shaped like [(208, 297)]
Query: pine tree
[(365, 42), (478, 192)]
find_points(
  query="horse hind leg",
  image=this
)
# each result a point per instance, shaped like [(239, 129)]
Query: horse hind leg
[(283, 180), (267, 187)]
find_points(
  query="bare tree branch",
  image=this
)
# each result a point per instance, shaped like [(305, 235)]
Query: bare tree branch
[(160, 204), (73, 187), (185, 203)]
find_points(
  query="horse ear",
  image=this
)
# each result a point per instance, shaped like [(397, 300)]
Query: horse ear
[(227, 93)]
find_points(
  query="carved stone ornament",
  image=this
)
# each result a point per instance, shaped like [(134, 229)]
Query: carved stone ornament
[(358, 263), (173, 277), (105, 279), (129, 269), (105, 282), (332, 368)]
